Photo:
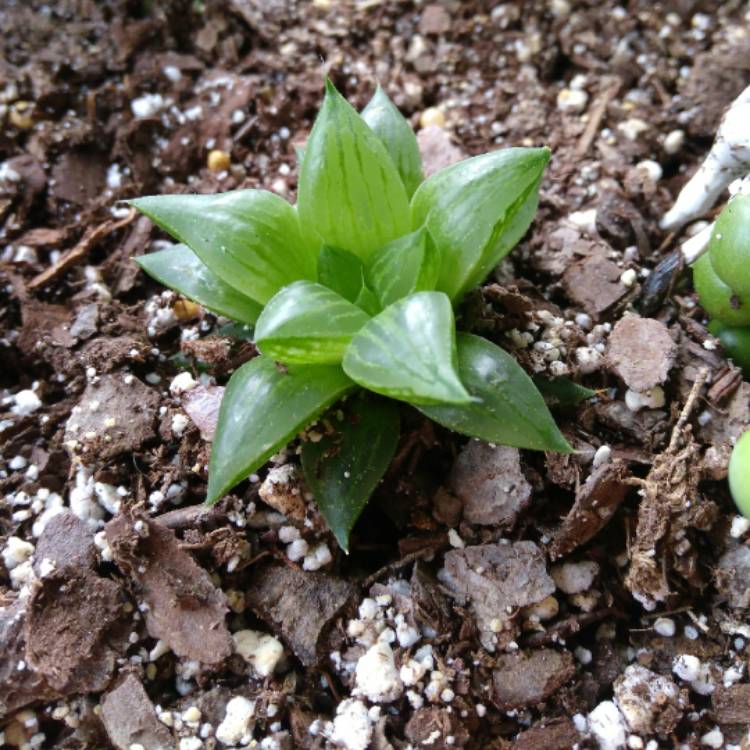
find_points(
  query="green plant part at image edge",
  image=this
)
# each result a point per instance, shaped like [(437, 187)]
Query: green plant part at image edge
[(739, 474), (352, 294)]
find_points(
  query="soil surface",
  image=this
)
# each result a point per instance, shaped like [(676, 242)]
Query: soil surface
[(492, 598)]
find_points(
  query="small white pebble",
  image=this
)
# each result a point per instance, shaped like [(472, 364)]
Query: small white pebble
[(740, 526), (714, 738), (602, 455), (665, 627), (628, 278), (674, 141)]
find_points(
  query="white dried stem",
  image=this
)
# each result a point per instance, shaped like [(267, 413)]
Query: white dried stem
[(728, 159)]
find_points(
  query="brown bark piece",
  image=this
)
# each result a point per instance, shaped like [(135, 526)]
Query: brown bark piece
[(595, 504), (558, 734), (300, 606), (594, 284), (641, 352), (497, 579), (733, 575), (436, 728), (130, 719), (75, 630), (112, 417), (731, 705), (526, 678), (18, 687), (66, 540), (489, 482), (202, 404), (185, 609)]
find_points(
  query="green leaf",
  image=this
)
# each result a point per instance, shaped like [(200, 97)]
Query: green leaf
[(343, 469), (406, 265), (408, 352), (477, 209), (250, 239), (508, 409), (350, 193), (306, 323), (562, 391), (341, 271), (262, 410), (179, 268), (394, 131)]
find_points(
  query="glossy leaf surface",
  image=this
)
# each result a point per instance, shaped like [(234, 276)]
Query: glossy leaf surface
[(307, 323), (180, 269), (408, 352), (508, 409), (395, 133), (250, 239), (739, 474), (343, 469), (341, 271), (262, 410), (350, 192), (730, 245), (406, 265), (716, 297), (476, 210)]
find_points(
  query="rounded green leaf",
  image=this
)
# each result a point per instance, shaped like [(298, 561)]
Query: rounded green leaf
[(730, 245), (350, 193), (477, 209), (250, 239), (263, 408), (343, 469), (507, 408), (180, 269), (307, 323), (395, 133), (716, 297), (408, 352), (739, 474), (406, 265)]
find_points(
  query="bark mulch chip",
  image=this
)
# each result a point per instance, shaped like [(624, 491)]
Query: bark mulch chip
[(75, 630), (129, 717), (301, 606), (656, 352), (112, 417), (66, 540), (489, 482), (527, 678), (184, 608), (497, 579)]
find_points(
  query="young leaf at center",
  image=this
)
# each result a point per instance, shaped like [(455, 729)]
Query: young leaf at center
[(350, 192), (283, 403), (341, 271), (408, 352), (396, 134), (343, 469), (306, 323), (508, 409), (406, 265)]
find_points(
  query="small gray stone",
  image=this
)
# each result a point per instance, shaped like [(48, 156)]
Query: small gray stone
[(490, 484)]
